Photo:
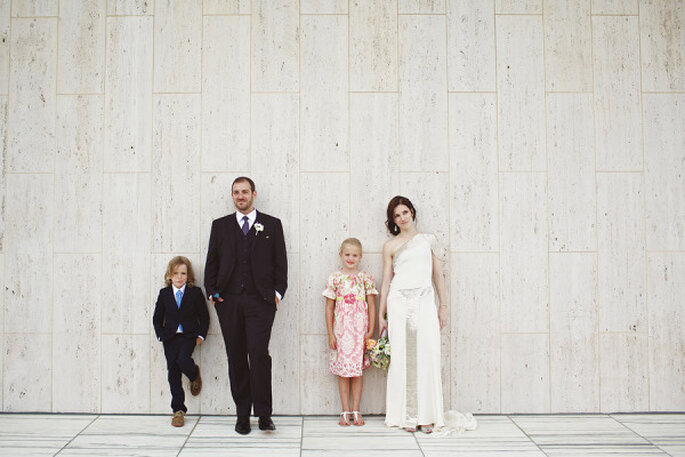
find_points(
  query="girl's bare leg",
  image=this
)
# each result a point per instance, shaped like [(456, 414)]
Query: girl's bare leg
[(357, 384), (344, 390)]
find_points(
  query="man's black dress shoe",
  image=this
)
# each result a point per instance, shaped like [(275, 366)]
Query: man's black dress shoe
[(242, 425), (265, 423)]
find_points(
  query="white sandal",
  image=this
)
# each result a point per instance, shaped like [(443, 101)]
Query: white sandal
[(345, 417), (357, 415)]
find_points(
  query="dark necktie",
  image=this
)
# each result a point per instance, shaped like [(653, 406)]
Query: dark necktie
[(246, 225)]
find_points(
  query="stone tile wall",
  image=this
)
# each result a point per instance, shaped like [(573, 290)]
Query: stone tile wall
[(541, 140)]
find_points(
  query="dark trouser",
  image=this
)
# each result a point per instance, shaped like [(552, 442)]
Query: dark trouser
[(246, 322), (178, 351)]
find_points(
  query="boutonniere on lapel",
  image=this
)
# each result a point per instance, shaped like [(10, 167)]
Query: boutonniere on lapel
[(258, 228)]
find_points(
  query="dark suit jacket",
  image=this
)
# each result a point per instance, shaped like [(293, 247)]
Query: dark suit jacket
[(268, 256), (192, 315)]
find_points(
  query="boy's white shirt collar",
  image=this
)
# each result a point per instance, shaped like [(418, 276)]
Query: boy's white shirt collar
[(182, 289), (251, 217)]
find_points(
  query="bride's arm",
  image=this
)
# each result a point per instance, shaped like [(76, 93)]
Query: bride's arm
[(439, 281), (385, 287)]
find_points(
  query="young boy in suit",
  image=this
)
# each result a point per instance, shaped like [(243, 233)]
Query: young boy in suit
[(181, 321)]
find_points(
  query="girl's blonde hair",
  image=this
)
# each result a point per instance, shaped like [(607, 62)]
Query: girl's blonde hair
[(175, 263), (353, 242)]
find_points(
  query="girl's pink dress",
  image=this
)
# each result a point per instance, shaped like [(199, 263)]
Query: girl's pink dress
[(351, 321)]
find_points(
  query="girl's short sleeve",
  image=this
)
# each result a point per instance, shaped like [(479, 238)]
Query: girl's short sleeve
[(331, 288), (438, 250), (369, 286)]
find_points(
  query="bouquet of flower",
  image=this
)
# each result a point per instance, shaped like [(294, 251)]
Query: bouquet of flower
[(379, 351)]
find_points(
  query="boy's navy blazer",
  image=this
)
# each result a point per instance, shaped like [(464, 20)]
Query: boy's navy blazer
[(192, 314), (268, 257)]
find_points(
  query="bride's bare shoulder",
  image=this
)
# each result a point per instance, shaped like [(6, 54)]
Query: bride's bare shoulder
[(390, 245)]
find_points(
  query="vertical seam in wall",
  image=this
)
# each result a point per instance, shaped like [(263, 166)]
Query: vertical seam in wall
[(598, 345), (299, 209), (447, 273), (644, 209), (4, 193), (102, 199), (52, 232), (150, 196), (251, 63), (201, 176), (499, 207), (547, 218), (399, 93)]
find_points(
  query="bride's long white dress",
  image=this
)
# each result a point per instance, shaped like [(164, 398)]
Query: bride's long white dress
[(414, 389)]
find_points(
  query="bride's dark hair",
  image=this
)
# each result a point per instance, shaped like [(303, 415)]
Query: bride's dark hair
[(396, 201)]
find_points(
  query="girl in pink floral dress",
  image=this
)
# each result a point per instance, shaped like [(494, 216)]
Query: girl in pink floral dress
[(350, 318)]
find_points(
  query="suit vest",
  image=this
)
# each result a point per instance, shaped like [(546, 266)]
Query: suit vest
[(241, 279)]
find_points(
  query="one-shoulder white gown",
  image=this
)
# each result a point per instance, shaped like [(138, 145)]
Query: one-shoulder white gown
[(414, 389)]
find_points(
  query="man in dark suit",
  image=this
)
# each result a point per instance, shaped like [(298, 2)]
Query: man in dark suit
[(246, 276)]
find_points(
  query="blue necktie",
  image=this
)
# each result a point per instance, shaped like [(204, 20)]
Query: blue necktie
[(179, 297), (246, 225)]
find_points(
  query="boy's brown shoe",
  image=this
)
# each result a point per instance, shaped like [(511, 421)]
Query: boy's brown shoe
[(196, 386), (179, 419)]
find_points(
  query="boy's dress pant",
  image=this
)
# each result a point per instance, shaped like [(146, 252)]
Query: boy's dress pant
[(178, 351)]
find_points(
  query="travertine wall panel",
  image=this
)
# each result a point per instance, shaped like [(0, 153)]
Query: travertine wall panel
[(34, 8), (614, 6), (78, 173), (32, 103), (175, 179), (422, 75), (126, 373), (475, 332), (373, 45), (226, 93), (621, 257), (664, 180), (128, 94), (518, 6), (226, 6), (662, 33), (76, 348), (28, 264), (617, 93), (523, 253), (520, 93), (323, 6), (324, 94), (27, 372), (473, 171), (574, 340), (80, 68), (540, 140), (471, 45), (624, 368), (571, 162), (3, 173), (568, 45), (665, 273), (525, 372), (421, 6), (4, 45), (130, 7), (178, 38), (127, 249), (275, 45)]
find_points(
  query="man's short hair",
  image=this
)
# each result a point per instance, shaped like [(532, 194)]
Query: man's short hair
[(243, 179)]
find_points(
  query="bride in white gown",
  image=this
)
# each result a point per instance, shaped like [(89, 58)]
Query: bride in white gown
[(410, 268)]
